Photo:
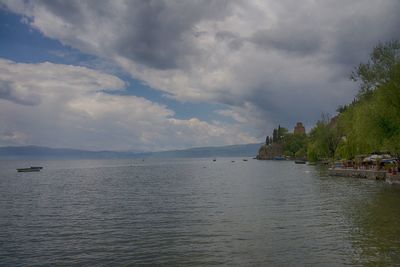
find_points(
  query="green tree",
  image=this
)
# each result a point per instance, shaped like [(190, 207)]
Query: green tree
[(324, 139), (267, 140), (295, 145), (275, 136), (376, 71), (282, 131), (386, 105), (372, 123), (357, 126)]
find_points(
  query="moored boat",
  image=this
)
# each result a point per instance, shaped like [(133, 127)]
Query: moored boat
[(31, 169), (36, 167), (300, 161)]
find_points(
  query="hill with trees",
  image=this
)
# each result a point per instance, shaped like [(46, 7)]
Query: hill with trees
[(371, 123)]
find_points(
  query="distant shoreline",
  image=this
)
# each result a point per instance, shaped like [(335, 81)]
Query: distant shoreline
[(37, 152)]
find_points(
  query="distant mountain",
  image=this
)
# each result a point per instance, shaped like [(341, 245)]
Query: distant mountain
[(248, 150), (29, 152)]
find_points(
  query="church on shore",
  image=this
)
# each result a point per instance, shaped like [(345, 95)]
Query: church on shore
[(273, 147), (299, 128)]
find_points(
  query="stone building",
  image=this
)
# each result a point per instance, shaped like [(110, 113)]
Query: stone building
[(273, 146), (299, 128)]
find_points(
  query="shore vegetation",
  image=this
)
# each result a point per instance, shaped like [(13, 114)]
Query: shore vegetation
[(371, 123)]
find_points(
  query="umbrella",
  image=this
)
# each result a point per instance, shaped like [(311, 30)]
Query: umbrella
[(373, 157)]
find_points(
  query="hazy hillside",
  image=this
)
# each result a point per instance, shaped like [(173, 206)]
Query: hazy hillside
[(248, 150), (30, 152)]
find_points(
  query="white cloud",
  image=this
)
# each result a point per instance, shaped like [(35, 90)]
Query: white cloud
[(66, 106)]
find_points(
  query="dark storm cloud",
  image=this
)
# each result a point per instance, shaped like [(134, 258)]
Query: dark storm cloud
[(7, 92), (291, 40), (154, 33), (154, 37), (225, 35), (356, 37), (336, 38), (234, 41), (159, 32), (287, 110)]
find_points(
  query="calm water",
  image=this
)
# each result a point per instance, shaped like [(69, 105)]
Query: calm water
[(194, 212)]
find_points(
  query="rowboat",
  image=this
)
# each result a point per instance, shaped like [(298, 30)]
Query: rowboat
[(31, 169)]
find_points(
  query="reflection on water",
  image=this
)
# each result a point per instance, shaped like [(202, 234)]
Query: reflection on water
[(194, 212)]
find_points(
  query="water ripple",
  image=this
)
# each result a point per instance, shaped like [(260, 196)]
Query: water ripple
[(194, 212)]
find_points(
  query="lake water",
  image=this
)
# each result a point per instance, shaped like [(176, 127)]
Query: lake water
[(190, 212)]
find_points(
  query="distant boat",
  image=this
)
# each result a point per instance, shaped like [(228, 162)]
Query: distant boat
[(31, 169), (300, 161), (36, 167), (244, 159), (214, 160), (279, 158), (233, 161)]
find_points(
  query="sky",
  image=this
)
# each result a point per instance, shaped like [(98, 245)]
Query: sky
[(166, 74)]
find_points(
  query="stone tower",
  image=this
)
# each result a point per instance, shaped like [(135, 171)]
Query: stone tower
[(299, 128)]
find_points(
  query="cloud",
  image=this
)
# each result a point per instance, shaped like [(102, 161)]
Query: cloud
[(288, 60), (300, 41), (72, 109), (12, 137), (8, 92), (158, 34)]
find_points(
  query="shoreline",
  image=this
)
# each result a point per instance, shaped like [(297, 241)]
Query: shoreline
[(365, 174)]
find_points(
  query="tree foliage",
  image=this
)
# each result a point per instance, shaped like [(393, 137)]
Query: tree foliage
[(377, 71), (371, 122), (278, 134), (282, 131), (295, 145), (324, 139), (275, 136)]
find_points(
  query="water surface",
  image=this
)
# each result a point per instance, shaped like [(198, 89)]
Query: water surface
[(190, 212)]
